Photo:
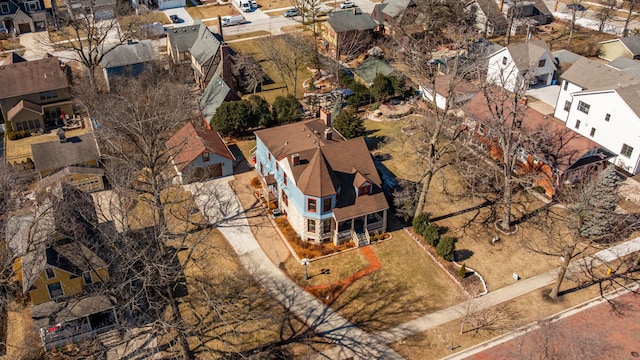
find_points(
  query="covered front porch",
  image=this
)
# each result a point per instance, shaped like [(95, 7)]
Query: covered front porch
[(360, 228), (72, 321)]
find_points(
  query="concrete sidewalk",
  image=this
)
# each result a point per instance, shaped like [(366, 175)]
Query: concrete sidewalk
[(217, 201), (494, 298)]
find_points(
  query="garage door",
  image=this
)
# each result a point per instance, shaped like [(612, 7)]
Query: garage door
[(24, 28)]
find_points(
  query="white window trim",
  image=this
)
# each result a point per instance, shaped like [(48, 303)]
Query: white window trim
[(61, 288)]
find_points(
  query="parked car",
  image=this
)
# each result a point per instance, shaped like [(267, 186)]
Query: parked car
[(292, 12), (254, 4), (348, 4), (577, 7), (175, 19)]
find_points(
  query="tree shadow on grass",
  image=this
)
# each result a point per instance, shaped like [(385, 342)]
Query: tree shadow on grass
[(463, 255)]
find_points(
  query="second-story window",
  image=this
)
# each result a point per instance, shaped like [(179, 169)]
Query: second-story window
[(542, 62), (567, 105), (46, 95), (284, 179), (311, 205), (51, 274), (593, 132), (626, 151), (205, 156), (86, 276), (607, 117), (584, 107), (566, 85), (277, 166), (326, 205), (311, 226), (4, 8), (504, 60), (577, 124)]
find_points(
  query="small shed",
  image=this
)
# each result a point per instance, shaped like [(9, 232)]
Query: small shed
[(370, 68)]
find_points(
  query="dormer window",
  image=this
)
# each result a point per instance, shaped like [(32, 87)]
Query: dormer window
[(542, 62), (4, 8), (504, 60), (364, 189), (205, 156), (86, 276)]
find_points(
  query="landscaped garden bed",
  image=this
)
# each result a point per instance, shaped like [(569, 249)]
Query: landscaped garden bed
[(306, 249)]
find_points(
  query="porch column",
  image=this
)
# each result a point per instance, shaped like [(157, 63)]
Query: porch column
[(366, 218), (384, 219), (352, 224)]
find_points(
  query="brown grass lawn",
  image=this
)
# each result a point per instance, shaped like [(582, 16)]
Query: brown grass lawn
[(472, 228), (400, 163), (135, 21), (211, 11), (178, 211), (239, 37), (23, 341), (254, 323), (271, 91), (409, 284), (275, 4), (435, 343), (20, 150)]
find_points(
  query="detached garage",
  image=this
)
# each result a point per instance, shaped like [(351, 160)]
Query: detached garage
[(199, 154)]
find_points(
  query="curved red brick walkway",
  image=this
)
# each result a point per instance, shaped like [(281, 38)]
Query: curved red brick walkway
[(342, 284)]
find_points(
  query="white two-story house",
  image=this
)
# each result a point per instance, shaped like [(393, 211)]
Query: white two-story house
[(518, 66), (601, 103)]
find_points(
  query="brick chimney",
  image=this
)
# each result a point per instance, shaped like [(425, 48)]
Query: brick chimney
[(325, 116), (295, 159)]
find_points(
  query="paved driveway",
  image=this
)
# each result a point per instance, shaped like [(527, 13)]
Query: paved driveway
[(181, 13), (546, 94)]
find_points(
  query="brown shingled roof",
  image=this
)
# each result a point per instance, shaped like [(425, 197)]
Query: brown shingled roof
[(31, 77), (318, 179), (24, 105), (188, 143), (296, 137)]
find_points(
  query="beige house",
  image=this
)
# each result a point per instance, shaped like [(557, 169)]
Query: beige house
[(628, 47), (39, 95)]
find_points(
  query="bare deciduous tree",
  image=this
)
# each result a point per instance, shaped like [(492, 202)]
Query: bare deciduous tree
[(587, 217), (88, 38), (605, 13), (632, 6)]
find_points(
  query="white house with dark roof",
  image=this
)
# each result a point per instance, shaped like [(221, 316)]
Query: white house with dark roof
[(517, 66), (328, 187), (601, 103)]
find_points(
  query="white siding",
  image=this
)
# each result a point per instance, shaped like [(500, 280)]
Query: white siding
[(170, 4), (504, 75), (623, 126), (563, 96)]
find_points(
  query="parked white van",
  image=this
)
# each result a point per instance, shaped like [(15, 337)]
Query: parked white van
[(232, 20), (244, 5)]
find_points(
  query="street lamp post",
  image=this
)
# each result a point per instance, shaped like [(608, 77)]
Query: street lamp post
[(305, 263)]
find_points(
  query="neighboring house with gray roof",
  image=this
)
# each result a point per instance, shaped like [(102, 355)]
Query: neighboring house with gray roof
[(628, 47), (517, 66), (489, 20), (52, 156), (205, 56), (13, 20), (216, 92), (348, 32), (370, 68), (600, 102), (180, 39), (99, 9), (328, 187), (128, 60), (395, 13), (629, 66)]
